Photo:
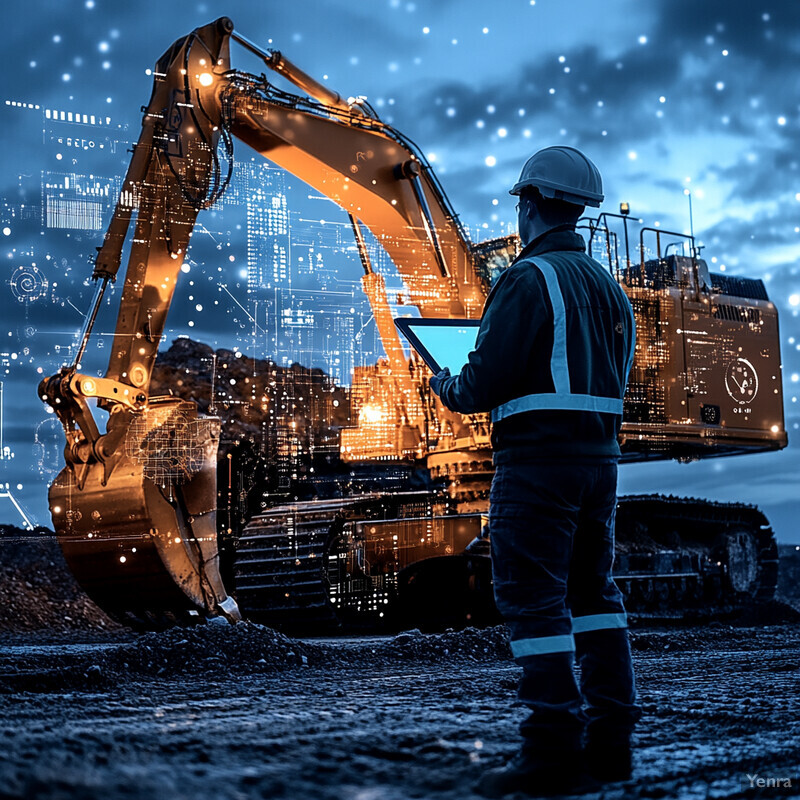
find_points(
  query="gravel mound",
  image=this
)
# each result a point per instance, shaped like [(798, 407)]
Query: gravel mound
[(37, 589), (248, 647), (470, 644), (222, 650), (207, 648), (716, 635)]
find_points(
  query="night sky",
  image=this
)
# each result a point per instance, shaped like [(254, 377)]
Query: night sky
[(665, 96)]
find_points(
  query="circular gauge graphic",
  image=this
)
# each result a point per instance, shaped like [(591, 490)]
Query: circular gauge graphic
[(28, 284), (741, 381)]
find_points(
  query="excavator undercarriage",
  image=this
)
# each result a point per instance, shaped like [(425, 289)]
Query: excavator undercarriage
[(135, 507), (346, 565)]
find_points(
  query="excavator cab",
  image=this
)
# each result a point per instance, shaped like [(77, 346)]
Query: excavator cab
[(495, 255)]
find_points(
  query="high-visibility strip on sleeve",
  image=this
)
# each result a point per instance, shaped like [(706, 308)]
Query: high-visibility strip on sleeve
[(598, 622), (558, 402), (559, 366), (629, 306), (543, 644), (632, 350)]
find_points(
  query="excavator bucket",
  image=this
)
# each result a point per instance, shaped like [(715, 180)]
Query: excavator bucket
[(143, 544)]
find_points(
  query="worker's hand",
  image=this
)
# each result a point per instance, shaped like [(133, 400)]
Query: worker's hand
[(436, 380)]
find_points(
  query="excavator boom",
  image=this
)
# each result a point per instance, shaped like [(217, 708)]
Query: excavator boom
[(135, 507)]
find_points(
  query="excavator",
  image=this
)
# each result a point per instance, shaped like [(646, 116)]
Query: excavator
[(134, 508)]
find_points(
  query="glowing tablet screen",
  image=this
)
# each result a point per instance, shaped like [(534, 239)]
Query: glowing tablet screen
[(441, 342)]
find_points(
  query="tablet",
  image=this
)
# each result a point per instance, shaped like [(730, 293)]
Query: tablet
[(441, 342)]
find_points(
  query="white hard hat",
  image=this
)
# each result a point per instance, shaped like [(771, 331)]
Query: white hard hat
[(562, 173)]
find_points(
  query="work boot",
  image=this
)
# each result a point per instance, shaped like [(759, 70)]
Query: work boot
[(608, 757), (537, 777)]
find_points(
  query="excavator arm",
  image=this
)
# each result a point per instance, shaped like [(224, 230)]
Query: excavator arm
[(135, 507)]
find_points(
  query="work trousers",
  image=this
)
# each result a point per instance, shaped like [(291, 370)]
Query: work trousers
[(552, 537)]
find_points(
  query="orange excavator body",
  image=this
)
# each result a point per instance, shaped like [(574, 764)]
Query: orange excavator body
[(135, 507)]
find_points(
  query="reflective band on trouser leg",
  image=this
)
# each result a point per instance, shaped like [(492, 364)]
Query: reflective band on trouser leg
[(558, 402), (598, 622), (543, 644)]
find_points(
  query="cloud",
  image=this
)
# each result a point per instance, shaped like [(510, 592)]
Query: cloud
[(706, 94), (766, 172), (755, 29)]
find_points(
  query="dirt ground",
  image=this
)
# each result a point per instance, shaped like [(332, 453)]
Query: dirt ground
[(90, 710), (246, 713)]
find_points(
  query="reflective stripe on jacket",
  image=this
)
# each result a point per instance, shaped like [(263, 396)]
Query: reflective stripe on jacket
[(556, 328), (564, 398)]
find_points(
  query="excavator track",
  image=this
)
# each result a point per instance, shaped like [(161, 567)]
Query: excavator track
[(280, 572), (675, 556), (721, 555), (363, 562)]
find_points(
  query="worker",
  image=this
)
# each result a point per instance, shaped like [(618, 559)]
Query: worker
[(551, 362)]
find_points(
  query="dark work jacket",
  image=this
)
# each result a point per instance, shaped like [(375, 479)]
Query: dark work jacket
[(512, 356)]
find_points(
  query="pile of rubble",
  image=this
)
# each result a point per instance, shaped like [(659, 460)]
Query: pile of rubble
[(223, 650), (37, 590), (207, 648), (248, 647), (470, 644)]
